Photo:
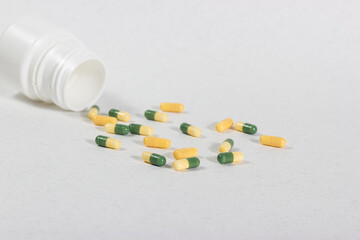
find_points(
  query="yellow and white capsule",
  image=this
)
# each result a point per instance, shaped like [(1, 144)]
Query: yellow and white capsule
[(185, 153), (273, 141), (226, 146), (224, 124), (101, 120), (120, 115), (107, 142), (157, 142), (94, 110), (172, 107)]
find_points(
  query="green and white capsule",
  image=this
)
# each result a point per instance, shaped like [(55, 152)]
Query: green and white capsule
[(226, 146), (120, 115), (190, 130), (107, 142), (186, 163), (230, 157), (118, 129), (140, 129), (156, 116), (153, 158), (245, 127)]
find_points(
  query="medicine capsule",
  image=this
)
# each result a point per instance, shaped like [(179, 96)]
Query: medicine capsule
[(224, 124), (101, 120), (230, 157), (157, 142), (273, 141), (107, 142), (226, 146), (119, 129), (190, 130), (157, 116), (153, 158), (245, 127), (140, 129), (172, 107), (94, 110), (185, 153), (120, 115), (186, 163)]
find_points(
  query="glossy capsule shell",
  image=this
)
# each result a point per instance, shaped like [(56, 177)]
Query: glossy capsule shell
[(157, 142), (93, 111), (185, 153), (120, 115), (107, 142), (140, 129), (245, 127), (172, 107), (230, 157), (224, 124), (118, 129), (183, 164), (156, 116), (190, 130), (226, 145), (101, 120), (273, 141), (153, 158)]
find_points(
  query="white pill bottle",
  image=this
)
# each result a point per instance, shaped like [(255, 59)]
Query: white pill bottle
[(49, 64)]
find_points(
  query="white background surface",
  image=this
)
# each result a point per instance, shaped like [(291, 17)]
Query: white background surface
[(290, 67)]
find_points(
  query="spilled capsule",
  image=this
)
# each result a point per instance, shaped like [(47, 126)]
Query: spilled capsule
[(186, 163), (245, 127), (93, 111), (230, 157), (224, 124), (120, 115), (185, 153), (119, 129), (172, 107), (153, 158), (101, 120), (190, 130), (157, 142), (140, 129), (273, 141), (156, 116), (107, 142), (226, 145)]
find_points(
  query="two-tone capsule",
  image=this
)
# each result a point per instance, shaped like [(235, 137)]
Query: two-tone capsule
[(224, 124), (245, 127), (119, 129), (140, 129), (93, 111), (273, 141), (120, 115), (172, 107), (185, 153), (186, 163), (101, 120), (157, 142), (226, 145), (107, 142), (153, 158), (156, 116), (190, 130), (230, 157)]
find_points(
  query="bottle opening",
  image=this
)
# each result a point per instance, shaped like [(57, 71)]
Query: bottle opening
[(84, 85)]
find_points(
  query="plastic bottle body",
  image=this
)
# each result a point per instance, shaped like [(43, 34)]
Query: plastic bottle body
[(49, 64)]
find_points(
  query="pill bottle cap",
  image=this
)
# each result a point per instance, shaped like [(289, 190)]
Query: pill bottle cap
[(49, 64)]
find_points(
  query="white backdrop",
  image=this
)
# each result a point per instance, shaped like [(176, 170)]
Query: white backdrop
[(290, 67)]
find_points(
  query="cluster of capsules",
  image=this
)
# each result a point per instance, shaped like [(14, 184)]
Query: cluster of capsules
[(185, 158)]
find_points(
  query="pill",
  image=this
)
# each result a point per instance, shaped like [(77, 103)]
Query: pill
[(273, 141), (226, 145), (224, 124), (140, 129), (93, 111), (157, 116), (185, 153), (157, 142), (245, 127), (119, 129), (120, 115), (190, 130), (101, 120), (107, 142), (172, 107), (153, 158), (186, 163), (230, 157)]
